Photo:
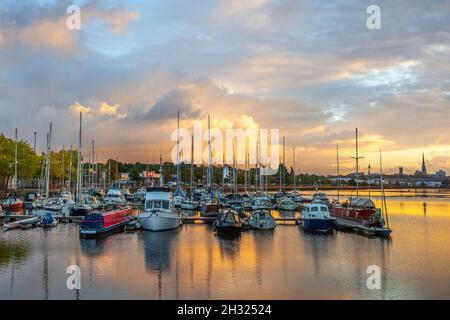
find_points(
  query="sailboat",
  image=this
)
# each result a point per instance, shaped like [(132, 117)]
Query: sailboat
[(178, 196), (261, 219), (359, 209), (159, 209), (47, 206), (189, 203), (12, 202)]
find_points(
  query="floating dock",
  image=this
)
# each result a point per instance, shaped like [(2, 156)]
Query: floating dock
[(354, 226)]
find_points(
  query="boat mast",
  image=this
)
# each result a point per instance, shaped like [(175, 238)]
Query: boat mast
[(261, 186), (63, 176), (70, 170), (93, 163), (47, 179), (79, 162), (161, 172), (293, 160), (234, 171), (15, 163), (357, 164), (384, 206), (192, 165), (177, 190), (211, 193), (257, 163), (337, 173)]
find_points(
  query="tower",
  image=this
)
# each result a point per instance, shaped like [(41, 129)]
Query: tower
[(424, 168)]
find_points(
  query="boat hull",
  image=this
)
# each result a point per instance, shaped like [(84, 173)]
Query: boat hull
[(158, 221), (97, 224), (319, 225)]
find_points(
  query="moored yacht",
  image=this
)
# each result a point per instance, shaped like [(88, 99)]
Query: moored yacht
[(286, 204), (320, 197), (262, 219), (114, 196), (316, 217), (12, 203), (159, 212)]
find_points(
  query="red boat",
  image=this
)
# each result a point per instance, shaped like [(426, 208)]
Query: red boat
[(360, 210), (97, 223), (12, 203)]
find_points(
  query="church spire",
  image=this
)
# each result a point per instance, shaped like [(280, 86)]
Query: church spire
[(424, 168)]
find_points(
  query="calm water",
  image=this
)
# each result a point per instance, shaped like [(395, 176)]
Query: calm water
[(193, 263)]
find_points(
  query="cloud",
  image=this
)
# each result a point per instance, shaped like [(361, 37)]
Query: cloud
[(77, 107), (310, 69), (105, 108)]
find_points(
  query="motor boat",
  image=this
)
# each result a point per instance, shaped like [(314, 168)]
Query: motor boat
[(262, 219), (12, 203), (115, 196), (189, 204), (320, 197), (316, 217), (139, 195), (210, 210), (159, 211), (228, 222)]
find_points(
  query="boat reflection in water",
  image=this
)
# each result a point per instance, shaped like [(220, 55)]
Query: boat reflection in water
[(158, 248), (93, 247)]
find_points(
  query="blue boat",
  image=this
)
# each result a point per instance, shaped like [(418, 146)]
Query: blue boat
[(316, 217)]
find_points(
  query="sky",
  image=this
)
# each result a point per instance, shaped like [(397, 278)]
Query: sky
[(311, 69)]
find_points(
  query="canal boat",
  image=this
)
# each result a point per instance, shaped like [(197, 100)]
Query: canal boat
[(98, 223), (262, 219), (228, 222), (159, 211), (359, 209), (316, 217)]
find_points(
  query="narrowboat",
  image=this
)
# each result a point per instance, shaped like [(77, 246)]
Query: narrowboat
[(97, 223)]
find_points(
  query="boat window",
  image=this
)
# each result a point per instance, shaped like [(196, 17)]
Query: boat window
[(314, 209), (323, 209), (165, 204), (157, 204), (149, 204)]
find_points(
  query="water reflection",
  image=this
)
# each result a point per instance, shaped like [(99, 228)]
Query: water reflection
[(158, 248), (194, 263)]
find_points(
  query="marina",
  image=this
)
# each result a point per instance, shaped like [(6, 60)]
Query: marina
[(224, 150), (193, 262)]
